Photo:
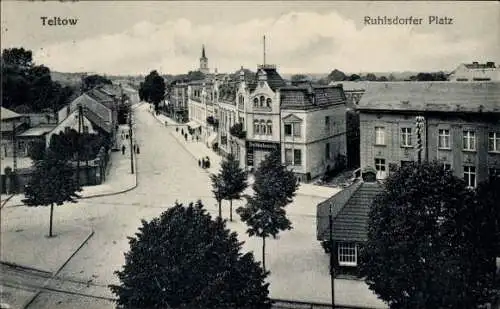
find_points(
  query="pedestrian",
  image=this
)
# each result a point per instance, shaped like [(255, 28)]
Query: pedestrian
[(186, 136), (135, 147), (177, 129), (197, 138), (182, 131), (199, 162), (123, 149), (137, 150), (203, 163), (208, 162)]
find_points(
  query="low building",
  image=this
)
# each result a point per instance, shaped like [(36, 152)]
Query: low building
[(349, 210), (12, 124), (475, 71), (33, 135), (460, 127)]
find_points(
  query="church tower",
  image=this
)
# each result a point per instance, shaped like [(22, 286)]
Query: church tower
[(203, 62)]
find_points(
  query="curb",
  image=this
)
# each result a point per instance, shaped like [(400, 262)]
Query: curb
[(4, 202), (15, 265), (54, 274)]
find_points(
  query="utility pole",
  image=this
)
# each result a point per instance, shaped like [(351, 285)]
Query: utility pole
[(79, 143), (131, 145), (14, 145), (332, 267)]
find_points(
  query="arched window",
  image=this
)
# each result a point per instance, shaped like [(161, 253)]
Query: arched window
[(255, 102), (268, 102), (262, 99), (256, 127), (269, 127), (263, 127)]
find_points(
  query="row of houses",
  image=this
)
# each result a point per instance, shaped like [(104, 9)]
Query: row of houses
[(96, 111)]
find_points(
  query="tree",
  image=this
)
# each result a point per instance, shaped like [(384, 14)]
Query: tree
[(234, 179), (185, 259), (218, 189), (429, 243), (152, 90), (336, 75), (299, 77), (36, 150), (52, 182), (382, 79), (371, 77), (274, 188), (354, 77), (91, 81)]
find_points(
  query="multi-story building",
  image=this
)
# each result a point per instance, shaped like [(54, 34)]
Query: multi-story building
[(313, 129), (475, 72), (259, 113), (202, 98), (179, 100), (461, 127)]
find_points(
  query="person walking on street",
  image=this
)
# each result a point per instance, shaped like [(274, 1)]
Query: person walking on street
[(135, 147), (137, 150), (123, 149)]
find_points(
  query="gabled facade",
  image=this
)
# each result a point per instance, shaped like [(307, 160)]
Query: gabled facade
[(71, 123)]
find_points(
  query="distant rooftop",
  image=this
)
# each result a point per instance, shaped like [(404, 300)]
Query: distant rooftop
[(477, 65), (432, 96), (8, 114)]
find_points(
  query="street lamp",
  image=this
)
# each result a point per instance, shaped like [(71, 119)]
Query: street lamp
[(419, 125)]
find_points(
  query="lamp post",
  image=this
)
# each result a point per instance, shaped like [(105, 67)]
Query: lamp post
[(332, 267), (419, 125)]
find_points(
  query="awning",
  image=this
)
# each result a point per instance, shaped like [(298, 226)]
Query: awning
[(212, 139), (193, 125)]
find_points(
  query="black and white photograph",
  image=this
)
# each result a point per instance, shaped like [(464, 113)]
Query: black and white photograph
[(250, 154)]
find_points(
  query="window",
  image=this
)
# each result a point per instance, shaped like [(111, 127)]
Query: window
[(288, 156), (288, 129), (379, 136), (380, 165), (297, 157), (268, 102), (494, 141), (263, 128), (256, 127), (269, 127), (469, 140), (405, 137), (296, 129), (66, 130), (494, 172), (327, 151), (347, 254), (255, 102), (85, 129), (262, 99), (470, 176), (444, 139), (327, 124), (447, 166)]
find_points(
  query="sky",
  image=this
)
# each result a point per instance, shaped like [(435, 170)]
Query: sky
[(129, 37)]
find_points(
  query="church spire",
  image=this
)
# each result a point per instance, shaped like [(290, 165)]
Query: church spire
[(203, 51)]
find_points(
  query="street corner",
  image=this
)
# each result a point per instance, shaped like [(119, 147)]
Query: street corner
[(14, 297), (30, 247)]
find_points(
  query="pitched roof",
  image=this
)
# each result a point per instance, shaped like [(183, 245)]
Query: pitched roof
[(8, 114), (432, 96), (349, 211), (97, 120), (38, 130), (304, 97)]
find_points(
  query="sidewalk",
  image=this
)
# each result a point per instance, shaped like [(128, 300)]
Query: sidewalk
[(199, 150)]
